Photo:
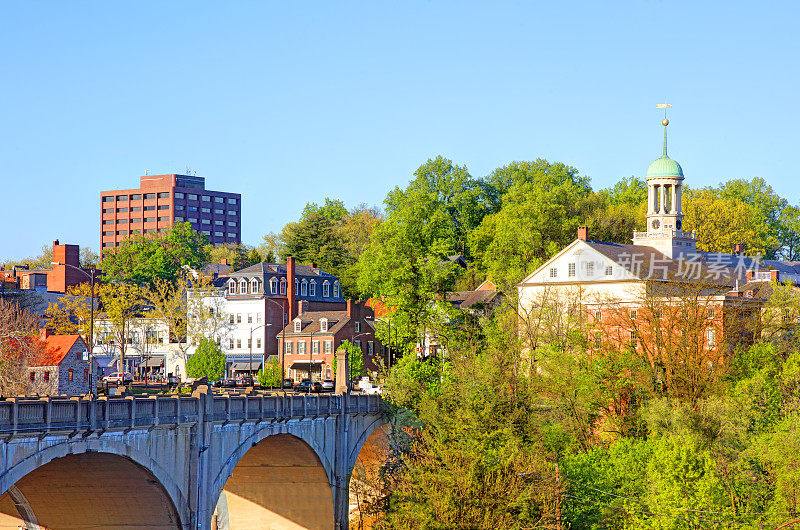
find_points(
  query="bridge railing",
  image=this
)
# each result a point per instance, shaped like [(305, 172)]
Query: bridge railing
[(232, 407), (57, 414)]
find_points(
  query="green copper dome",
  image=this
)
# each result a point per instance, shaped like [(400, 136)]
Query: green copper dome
[(664, 166)]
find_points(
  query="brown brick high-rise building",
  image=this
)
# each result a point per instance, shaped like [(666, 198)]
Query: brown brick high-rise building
[(163, 200)]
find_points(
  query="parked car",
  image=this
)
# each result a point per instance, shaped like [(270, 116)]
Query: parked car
[(288, 383), (362, 383), (366, 386), (118, 379), (373, 389), (328, 385), (307, 386), (227, 382)]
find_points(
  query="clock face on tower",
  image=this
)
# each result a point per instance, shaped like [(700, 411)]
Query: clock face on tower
[(678, 224), (655, 224)]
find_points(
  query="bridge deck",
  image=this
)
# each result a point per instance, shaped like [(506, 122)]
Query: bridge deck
[(75, 414)]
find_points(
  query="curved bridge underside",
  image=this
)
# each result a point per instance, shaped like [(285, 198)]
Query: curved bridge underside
[(279, 483), (88, 490)]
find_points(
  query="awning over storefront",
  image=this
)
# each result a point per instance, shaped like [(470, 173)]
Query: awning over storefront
[(316, 366), (246, 366), (153, 362), (105, 362)]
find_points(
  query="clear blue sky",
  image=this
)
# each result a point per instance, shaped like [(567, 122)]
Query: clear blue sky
[(289, 102)]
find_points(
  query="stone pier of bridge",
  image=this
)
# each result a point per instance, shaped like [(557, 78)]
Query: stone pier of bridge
[(200, 461)]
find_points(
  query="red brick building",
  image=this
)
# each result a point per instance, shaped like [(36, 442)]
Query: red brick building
[(163, 200), (311, 339), (66, 272)]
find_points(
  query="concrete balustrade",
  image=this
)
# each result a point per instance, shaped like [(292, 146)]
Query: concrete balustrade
[(46, 414)]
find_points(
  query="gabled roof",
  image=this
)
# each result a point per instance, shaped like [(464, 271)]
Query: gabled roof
[(479, 297), (621, 253), (644, 262), (310, 322), (53, 350)]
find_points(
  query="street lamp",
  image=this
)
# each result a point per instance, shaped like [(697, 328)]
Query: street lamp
[(92, 385), (250, 343), (310, 359), (389, 345), (353, 341)]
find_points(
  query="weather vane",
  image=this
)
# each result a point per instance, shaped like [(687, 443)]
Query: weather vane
[(664, 106)]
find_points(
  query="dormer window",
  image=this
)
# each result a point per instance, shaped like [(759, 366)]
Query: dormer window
[(323, 324), (243, 287), (336, 290), (232, 287), (296, 286), (297, 326), (312, 288), (273, 285), (283, 285), (304, 288), (358, 326), (326, 289), (254, 286)]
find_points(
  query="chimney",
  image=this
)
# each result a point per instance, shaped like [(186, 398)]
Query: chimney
[(55, 243), (290, 294), (44, 333), (313, 265), (349, 308), (738, 249), (583, 233), (223, 261), (749, 275), (773, 275)]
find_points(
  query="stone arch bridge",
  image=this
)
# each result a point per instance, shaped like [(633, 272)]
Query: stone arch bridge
[(203, 461)]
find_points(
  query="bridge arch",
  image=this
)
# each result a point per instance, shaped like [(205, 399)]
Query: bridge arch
[(366, 432), (274, 480), (72, 484), (364, 469)]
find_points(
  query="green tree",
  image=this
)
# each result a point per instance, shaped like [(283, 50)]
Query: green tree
[(425, 223), (463, 200), (315, 239), (207, 361), (539, 215), (743, 211), (270, 247), (89, 258), (355, 359), (789, 233), (270, 374), (613, 214), (145, 257), (720, 222), (404, 260)]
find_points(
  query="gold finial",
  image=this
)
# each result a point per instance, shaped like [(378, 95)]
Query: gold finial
[(665, 122)]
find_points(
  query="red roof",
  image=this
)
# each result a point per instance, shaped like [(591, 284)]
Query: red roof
[(380, 307), (53, 349)]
